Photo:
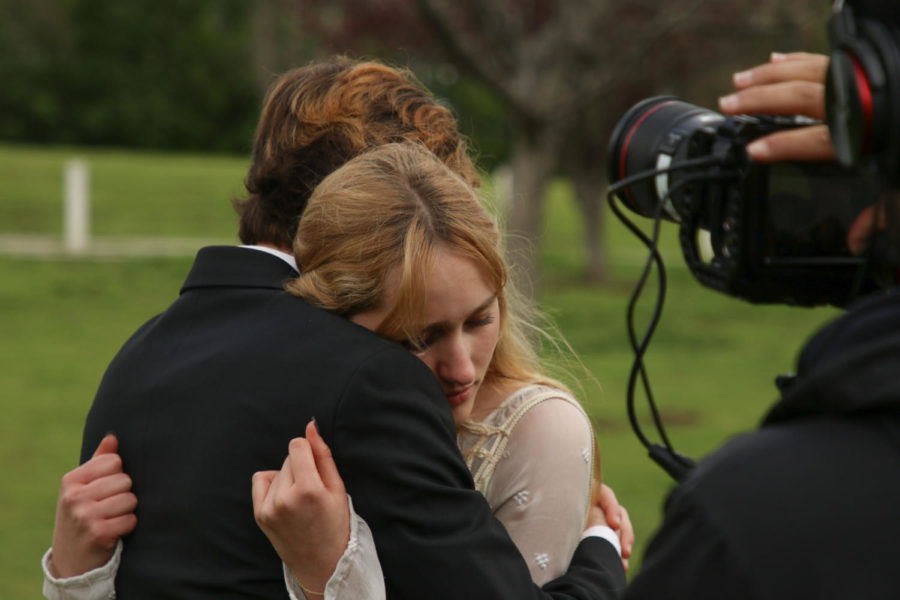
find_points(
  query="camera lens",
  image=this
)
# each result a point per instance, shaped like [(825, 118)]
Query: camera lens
[(652, 135)]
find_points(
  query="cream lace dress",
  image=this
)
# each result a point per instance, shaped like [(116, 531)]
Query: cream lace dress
[(532, 458)]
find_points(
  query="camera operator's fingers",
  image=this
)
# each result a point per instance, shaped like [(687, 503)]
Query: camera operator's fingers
[(800, 55), (803, 144), (783, 98), (796, 66), (862, 228)]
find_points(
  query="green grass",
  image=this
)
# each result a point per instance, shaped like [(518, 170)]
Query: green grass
[(711, 364)]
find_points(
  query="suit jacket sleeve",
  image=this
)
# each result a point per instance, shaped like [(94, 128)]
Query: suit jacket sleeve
[(690, 557), (393, 439)]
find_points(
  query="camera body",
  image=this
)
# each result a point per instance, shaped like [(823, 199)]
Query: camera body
[(760, 232)]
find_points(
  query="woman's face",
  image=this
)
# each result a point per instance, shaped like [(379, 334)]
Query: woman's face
[(459, 331)]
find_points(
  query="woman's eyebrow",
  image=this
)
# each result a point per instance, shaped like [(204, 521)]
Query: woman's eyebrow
[(485, 304)]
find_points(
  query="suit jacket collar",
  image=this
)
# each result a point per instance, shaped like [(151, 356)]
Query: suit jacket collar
[(230, 266)]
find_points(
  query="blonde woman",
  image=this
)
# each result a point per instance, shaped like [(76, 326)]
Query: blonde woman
[(397, 243)]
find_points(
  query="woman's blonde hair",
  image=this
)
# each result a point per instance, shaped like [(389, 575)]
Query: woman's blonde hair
[(378, 222)]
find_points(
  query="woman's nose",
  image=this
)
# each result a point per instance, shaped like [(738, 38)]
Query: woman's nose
[(455, 365)]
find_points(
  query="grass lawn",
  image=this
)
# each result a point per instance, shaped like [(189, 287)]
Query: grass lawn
[(711, 364)]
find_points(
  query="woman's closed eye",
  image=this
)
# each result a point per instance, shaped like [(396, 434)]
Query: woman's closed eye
[(482, 321), (422, 342), (431, 336)]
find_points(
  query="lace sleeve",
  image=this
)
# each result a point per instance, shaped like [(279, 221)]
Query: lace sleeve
[(358, 573), (97, 584), (541, 486)]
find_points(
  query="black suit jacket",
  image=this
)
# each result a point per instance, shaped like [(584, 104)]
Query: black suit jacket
[(212, 390)]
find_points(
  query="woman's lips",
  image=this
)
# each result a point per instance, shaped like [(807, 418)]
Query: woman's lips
[(457, 398)]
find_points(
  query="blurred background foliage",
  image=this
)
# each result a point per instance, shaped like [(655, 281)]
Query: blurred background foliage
[(190, 74), (537, 84)]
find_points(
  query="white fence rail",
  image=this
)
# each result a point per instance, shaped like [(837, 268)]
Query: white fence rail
[(77, 241)]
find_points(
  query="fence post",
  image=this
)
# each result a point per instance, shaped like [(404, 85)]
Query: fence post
[(77, 206)]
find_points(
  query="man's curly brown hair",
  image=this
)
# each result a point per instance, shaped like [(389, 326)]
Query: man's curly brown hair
[(316, 118)]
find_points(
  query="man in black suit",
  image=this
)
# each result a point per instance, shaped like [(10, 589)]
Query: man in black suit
[(212, 390)]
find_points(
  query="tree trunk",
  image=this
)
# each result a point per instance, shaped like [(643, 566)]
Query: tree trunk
[(590, 194), (535, 155)]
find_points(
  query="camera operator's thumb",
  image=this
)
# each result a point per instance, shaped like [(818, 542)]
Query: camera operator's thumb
[(874, 233), (866, 224)]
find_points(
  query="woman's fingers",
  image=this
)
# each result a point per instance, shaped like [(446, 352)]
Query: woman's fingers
[(626, 533), (325, 465), (117, 518), (608, 502), (108, 445), (617, 518), (302, 464), (121, 525), (101, 465), (260, 485), (107, 486)]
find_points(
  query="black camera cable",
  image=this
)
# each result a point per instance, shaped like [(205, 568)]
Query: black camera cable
[(674, 463)]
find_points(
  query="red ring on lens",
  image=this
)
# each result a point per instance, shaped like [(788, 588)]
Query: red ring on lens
[(865, 100), (631, 133)]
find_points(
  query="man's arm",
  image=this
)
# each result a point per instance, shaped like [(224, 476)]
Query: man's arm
[(393, 440)]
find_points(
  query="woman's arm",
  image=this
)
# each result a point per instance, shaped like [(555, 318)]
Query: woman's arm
[(95, 508), (541, 487), (307, 499)]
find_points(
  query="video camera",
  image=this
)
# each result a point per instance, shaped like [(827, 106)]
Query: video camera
[(775, 232), (768, 232)]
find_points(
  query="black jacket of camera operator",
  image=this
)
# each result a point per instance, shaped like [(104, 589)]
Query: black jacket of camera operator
[(806, 507)]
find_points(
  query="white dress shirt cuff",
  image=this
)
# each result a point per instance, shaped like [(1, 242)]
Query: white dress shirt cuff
[(607, 533), (96, 584)]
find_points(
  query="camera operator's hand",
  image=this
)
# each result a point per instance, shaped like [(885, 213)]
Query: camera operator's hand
[(789, 84)]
